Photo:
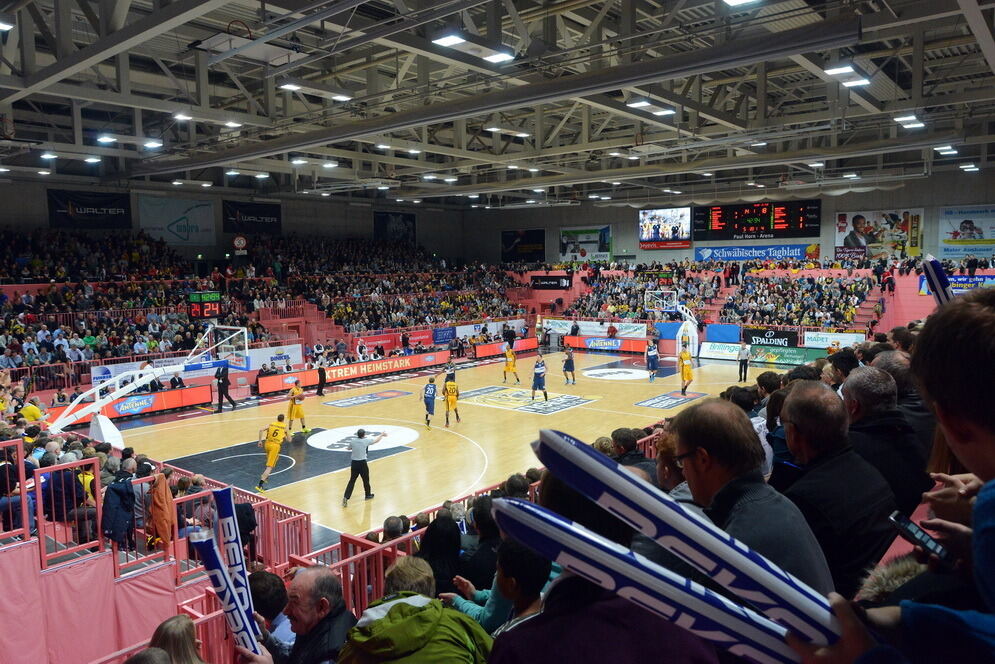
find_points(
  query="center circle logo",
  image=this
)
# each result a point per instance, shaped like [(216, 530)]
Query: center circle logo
[(616, 374), (334, 440)]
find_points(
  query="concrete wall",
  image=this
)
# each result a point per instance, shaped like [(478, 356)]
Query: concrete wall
[(482, 228), (25, 207)]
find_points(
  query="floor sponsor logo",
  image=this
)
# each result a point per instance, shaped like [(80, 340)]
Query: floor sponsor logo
[(334, 440), (514, 398), (620, 373), (362, 399), (670, 400)]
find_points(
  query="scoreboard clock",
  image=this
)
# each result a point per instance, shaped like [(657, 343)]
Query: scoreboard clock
[(764, 220), (204, 304)]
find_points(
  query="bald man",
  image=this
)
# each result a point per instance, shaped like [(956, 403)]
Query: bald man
[(844, 499)]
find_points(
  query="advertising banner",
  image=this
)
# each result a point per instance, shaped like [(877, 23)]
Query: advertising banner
[(494, 327), (102, 373), (85, 210), (525, 246), (395, 227), (775, 355), (850, 253), (756, 336), (279, 355), (148, 402), (177, 220), (443, 335), (551, 282), (959, 284), (497, 348), (882, 233), (966, 229), (585, 243), (595, 328), (308, 378), (826, 339), (774, 252), (665, 229), (604, 343), (251, 218), (714, 350)]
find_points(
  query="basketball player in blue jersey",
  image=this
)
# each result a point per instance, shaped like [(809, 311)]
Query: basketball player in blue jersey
[(652, 359), (568, 366), (539, 377), (428, 396)]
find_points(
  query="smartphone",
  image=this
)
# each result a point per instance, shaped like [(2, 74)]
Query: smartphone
[(913, 534)]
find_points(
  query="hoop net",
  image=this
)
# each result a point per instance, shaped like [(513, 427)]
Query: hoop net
[(223, 342), (661, 301)]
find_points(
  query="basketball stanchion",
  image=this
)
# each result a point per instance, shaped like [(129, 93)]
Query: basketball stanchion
[(238, 621), (231, 541), (744, 572), (670, 596)]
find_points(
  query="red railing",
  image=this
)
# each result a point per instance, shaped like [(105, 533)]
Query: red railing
[(16, 507), (67, 522)]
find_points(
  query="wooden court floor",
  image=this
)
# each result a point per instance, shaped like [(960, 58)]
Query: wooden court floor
[(419, 468)]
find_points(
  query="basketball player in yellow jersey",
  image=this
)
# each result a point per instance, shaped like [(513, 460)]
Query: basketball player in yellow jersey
[(451, 392), (509, 365), (295, 411), (271, 439), (684, 362)]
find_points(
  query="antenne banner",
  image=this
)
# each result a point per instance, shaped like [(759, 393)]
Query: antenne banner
[(82, 210), (395, 227), (763, 252), (177, 220), (881, 233), (528, 245), (246, 217), (966, 229), (585, 243)]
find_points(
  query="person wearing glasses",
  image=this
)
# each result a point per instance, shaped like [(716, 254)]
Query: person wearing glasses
[(720, 456)]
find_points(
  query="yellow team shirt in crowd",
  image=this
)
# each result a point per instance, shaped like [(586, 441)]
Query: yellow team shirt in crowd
[(31, 412)]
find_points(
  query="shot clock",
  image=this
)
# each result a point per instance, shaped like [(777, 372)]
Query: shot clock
[(204, 304)]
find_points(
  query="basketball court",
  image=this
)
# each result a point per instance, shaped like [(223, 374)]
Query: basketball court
[(413, 468)]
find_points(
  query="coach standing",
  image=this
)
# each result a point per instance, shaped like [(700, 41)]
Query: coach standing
[(321, 362), (360, 445), (744, 360), (221, 375)]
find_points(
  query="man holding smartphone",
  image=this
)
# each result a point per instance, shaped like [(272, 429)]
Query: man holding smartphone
[(952, 364)]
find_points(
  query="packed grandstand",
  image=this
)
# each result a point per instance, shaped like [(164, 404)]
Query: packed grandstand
[(855, 418)]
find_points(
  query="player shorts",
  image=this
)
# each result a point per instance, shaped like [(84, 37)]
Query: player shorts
[(430, 406), (538, 382), (686, 373), (295, 412), (568, 366), (653, 363), (272, 453), (509, 367), (450, 403)]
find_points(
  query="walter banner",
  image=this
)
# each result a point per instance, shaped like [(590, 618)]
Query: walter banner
[(967, 229), (881, 233), (585, 243), (527, 245), (87, 210), (178, 221)]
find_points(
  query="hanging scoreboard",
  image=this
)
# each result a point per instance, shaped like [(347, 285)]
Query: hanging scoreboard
[(764, 220)]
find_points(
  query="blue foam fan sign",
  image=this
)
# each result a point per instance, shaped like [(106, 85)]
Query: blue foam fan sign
[(231, 542), (699, 542), (240, 623), (668, 595)]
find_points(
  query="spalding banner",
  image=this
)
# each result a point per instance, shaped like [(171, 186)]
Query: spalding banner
[(760, 337)]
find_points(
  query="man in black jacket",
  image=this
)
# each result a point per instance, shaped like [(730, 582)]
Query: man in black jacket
[(318, 617), (221, 375), (721, 455), (625, 440), (880, 434), (897, 364), (844, 499)]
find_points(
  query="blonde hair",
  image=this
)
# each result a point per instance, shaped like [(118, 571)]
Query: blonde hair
[(177, 636), (605, 445), (409, 573)]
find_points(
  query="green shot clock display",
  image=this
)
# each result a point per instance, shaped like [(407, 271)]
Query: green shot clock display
[(204, 304)]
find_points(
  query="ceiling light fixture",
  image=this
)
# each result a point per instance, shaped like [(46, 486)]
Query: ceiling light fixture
[(262, 176), (450, 179), (429, 176), (413, 151), (972, 170), (182, 117), (856, 82), (325, 194), (506, 129), (298, 161), (533, 169), (330, 164), (816, 164), (104, 138), (758, 144), (904, 119), (92, 160), (948, 153), (44, 172), (968, 165), (914, 125), (316, 89), (382, 146), (851, 176), (232, 172), (231, 124), (839, 70), (706, 175), (473, 195), (471, 44), (383, 187), (944, 147), (49, 155), (152, 143), (7, 22), (205, 184), (176, 183)]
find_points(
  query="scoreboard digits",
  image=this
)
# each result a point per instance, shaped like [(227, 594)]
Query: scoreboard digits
[(204, 304), (758, 221)]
